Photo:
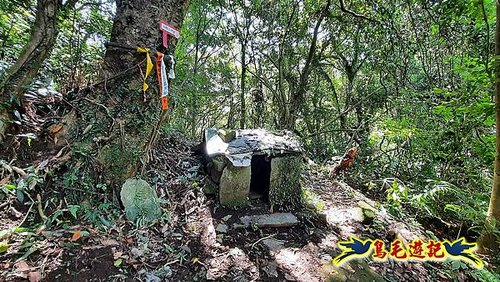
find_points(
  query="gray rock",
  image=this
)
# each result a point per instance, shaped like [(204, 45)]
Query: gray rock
[(221, 228), (210, 187), (140, 200), (273, 244), (227, 135), (270, 220), (271, 269), (250, 141), (284, 186), (369, 212), (234, 186), (136, 252), (151, 277)]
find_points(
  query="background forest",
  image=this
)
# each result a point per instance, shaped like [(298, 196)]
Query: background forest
[(411, 82)]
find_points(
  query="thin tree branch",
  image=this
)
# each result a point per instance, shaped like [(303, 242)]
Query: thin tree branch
[(354, 14)]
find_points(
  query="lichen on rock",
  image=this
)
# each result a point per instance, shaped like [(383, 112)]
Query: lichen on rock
[(285, 188), (140, 201), (234, 186)]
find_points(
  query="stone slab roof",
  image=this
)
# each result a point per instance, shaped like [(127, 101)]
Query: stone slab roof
[(242, 144)]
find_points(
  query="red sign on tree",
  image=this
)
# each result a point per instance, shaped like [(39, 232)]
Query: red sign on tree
[(168, 29)]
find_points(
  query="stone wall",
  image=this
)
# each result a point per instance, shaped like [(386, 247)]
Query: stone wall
[(234, 182), (234, 186), (285, 188)]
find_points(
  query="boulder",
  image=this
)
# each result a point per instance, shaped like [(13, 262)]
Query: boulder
[(140, 201)]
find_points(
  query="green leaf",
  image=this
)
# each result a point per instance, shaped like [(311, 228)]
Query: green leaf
[(4, 247), (20, 195), (118, 262), (73, 209), (84, 233), (9, 186)]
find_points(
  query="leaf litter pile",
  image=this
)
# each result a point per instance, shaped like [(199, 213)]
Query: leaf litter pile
[(195, 239), (115, 249)]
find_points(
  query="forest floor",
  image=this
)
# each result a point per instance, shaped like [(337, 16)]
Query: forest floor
[(201, 240)]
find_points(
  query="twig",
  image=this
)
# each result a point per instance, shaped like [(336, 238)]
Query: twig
[(39, 206), (263, 238), (4, 204), (171, 262), (18, 170), (345, 10), (107, 112), (459, 230), (27, 213), (113, 77)]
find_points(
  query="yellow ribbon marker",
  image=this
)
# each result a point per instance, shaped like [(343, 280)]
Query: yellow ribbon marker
[(149, 67)]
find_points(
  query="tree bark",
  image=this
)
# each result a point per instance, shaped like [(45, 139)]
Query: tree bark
[(24, 70), (243, 85), (488, 241), (113, 127), (297, 97)]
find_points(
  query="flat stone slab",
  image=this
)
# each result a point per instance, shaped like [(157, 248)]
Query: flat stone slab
[(270, 220), (273, 244)]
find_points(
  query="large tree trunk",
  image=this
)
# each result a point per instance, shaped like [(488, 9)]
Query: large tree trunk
[(488, 242), (243, 82), (24, 70), (297, 97), (137, 24), (115, 126)]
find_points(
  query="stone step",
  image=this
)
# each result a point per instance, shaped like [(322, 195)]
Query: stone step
[(270, 220)]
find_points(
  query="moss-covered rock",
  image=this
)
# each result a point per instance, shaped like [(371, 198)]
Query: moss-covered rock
[(216, 167), (140, 201), (234, 186), (369, 213), (227, 135), (356, 270), (118, 162), (284, 187), (210, 188)]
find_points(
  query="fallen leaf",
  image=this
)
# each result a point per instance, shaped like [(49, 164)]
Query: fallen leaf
[(136, 252), (22, 266), (15, 213), (5, 180), (109, 242), (41, 230), (34, 276), (5, 234), (55, 128), (117, 255), (84, 233), (76, 236), (93, 247), (118, 262)]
